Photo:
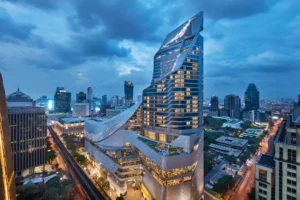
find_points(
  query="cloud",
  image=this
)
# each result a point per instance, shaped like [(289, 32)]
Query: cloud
[(11, 31), (43, 4)]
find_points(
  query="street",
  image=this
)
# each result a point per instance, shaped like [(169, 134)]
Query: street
[(248, 180), (88, 186)]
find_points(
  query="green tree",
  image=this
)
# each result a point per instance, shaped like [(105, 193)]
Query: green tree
[(53, 182), (69, 191), (51, 194), (208, 162), (51, 155), (231, 159), (28, 191), (224, 184)]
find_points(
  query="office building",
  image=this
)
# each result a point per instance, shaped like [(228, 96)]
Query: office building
[(80, 97), (28, 129), (70, 126), (277, 174), (164, 134), (90, 94), (114, 101), (104, 100), (128, 90), (113, 112), (62, 100), (81, 110), (251, 98), (7, 174), (214, 106), (232, 103)]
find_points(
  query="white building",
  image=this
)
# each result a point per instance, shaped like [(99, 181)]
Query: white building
[(81, 110)]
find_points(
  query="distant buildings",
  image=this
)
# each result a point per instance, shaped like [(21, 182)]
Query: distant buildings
[(277, 175), (7, 180), (81, 110), (104, 99), (128, 90), (90, 95), (114, 101), (45, 102), (251, 98), (113, 112), (80, 97), (62, 100), (28, 129), (232, 104), (214, 106), (70, 126)]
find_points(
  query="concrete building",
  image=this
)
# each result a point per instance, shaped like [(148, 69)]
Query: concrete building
[(128, 91), (70, 126), (232, 142), (280, 180), (232, 103), (164, 134), (81, 110), (28, 129), (62, 100), (113, 112), (80, 97), (7, 174), (233, 123)]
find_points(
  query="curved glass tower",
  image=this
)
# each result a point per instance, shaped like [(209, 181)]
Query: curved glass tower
[(251, 97), (159, 143)]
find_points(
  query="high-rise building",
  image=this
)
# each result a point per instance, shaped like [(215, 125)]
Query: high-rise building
[(62, 100), (81, 110), (28, 129), (164, 134), (277, 174), (251, 97), (104, 99), (90, 94), (114, 101), (128, 90), (7, 174), (80, 97), (232, 103), (214, 103), (214, 106)]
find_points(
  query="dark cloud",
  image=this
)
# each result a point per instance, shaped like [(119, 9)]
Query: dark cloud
[(43, 4), (12, 31), (231, 9)]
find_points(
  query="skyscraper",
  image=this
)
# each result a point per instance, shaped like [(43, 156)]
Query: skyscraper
[(62, 100), (104, 99), (232, 103), (90, 94), (165, 133), (28, 129), (251, 97), (128, 90), (7, 175), (214, 103), (80, 97)]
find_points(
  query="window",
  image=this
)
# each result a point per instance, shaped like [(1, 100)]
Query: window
[(262, 191), (291, 155), (291, 182), (280, 153), (262, 175), (291, 174), (261, 198), (291, 190), (262, 185), (288, 197), (293, 167), (293, 138)]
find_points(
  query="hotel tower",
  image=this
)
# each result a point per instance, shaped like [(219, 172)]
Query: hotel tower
[(158, 144)]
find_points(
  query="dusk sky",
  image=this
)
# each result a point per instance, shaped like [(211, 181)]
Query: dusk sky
[(81, 43)]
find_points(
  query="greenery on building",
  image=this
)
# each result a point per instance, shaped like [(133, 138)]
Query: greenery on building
[(213, 123), (224, 184)]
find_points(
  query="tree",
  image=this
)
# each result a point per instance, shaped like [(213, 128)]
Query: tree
[(53, 182), (68, 191), (51, 155), (251, 194), (208, 162), (28, 191), (66, 182), (51, 194), (223, 184), (231, 159)]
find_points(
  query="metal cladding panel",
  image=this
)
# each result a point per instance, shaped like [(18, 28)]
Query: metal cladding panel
[(100, 157), (97, 131)]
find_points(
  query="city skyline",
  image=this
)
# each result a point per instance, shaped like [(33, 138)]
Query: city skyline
[(105, 55)]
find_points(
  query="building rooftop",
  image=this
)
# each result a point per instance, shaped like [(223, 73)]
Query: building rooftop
[(226, 150), (266, 160), (232, 141), (77, 119)]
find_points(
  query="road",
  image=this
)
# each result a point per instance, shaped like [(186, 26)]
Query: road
[(248, 180), (90, 189)]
